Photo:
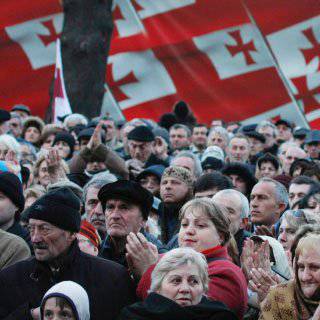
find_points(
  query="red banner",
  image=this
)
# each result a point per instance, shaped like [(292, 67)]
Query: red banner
[(236, 60)]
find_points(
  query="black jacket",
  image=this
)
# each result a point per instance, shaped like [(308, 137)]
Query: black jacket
[(157, 307), (23, 285)]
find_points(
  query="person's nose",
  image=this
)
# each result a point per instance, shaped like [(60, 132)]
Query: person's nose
[(190, 229), (36, 236), (97, 210), (306, 275), (283, 236), (184, 287)]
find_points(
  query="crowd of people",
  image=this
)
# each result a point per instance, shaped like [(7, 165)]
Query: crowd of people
[(103, 219)]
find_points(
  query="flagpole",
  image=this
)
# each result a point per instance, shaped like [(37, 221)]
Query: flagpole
[(276, 65)]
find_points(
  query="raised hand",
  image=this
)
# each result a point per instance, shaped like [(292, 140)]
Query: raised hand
[(12, 162), (95, 139)]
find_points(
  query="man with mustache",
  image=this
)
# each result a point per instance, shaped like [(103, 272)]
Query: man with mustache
[(53, 222)]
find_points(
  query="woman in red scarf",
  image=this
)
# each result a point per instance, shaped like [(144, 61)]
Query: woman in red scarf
[(205, 228)]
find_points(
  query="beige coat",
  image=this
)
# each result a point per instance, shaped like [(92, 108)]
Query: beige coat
[(12, 249)]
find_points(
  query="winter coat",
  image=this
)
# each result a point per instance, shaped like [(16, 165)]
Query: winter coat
[(227, 282), (157, 307), (74, 294), (23, 285), (12, 249)]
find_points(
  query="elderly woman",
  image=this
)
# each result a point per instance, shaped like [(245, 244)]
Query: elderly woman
[(267, 166), (179, 283), (299, 298), (205, 228), (32, 128)]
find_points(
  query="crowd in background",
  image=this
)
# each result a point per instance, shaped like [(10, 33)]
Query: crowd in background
[(105, 219)]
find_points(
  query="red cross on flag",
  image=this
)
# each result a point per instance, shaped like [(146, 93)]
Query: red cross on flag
[(61, 105)]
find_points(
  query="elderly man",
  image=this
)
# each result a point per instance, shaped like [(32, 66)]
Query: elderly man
[(238, 149), (141, 143), (293, 153), (270, 132), (54, 220), (312, 144), (176, 188), (238, 208), (92, 205), (268, 200), (126, 206)]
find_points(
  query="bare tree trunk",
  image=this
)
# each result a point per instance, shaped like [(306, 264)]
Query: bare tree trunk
[(85, 41)]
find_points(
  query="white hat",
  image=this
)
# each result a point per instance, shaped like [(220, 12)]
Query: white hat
[(213, 152)]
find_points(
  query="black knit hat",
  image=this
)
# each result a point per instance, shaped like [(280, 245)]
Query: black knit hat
[(141, 133), (60, 207), (4, 115), (66, 137), (130, 191), (11, 187), (256, 135)]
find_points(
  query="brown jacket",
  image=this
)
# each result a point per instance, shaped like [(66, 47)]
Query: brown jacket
[(12, 249)]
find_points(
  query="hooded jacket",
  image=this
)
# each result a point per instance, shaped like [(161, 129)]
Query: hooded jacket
[(75, 295)]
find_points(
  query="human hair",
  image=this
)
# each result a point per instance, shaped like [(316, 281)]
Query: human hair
[(303, 164), (97, 182), (195, 158), (176, 258), (221, 131), (35, 191), (240, 136), (77, 117), (281, 193), (309, 241), (266, 124), (181, 126), (268, 157), (245, 208), (297, 218), (31, 147), (303, 180), (11, 143), (313, 192), (212, 180), (217, 214), (200, 125)]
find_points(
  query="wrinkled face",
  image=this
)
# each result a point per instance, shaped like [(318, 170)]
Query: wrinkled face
[(284, 133), (48, 142), (255, 146), (179, 139), (263, 205), (183, 285), (48, 241), (63, 149), (186, 163), (122, 218), (238, 183), (26, 153), (15, 127), (216, 139), (140, 150), (239, 150), (52, 310), (198, 231), (297, 192), (267, 169), (286, 235), (292, 154), (86, 246), (96, 166), (7, 212), (199, 136), (309, 271), (233, 205), (269, 134), (94, 211), (173, 190), (32, 135), (151, 183), (44, 178), (313, 149)]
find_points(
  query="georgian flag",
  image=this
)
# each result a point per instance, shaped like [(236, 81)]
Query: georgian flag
[(61, 105)]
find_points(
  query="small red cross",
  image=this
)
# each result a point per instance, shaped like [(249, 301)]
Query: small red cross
[(311, 53), (115, 85), (241, 47), (53, 35)]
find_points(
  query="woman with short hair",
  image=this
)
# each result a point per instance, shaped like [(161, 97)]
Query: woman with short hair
[(179, 283)]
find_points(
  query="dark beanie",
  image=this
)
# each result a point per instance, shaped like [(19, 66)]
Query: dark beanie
[(141, 133), (130, 191), (60, 207), (66, 137), (11, 187)]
